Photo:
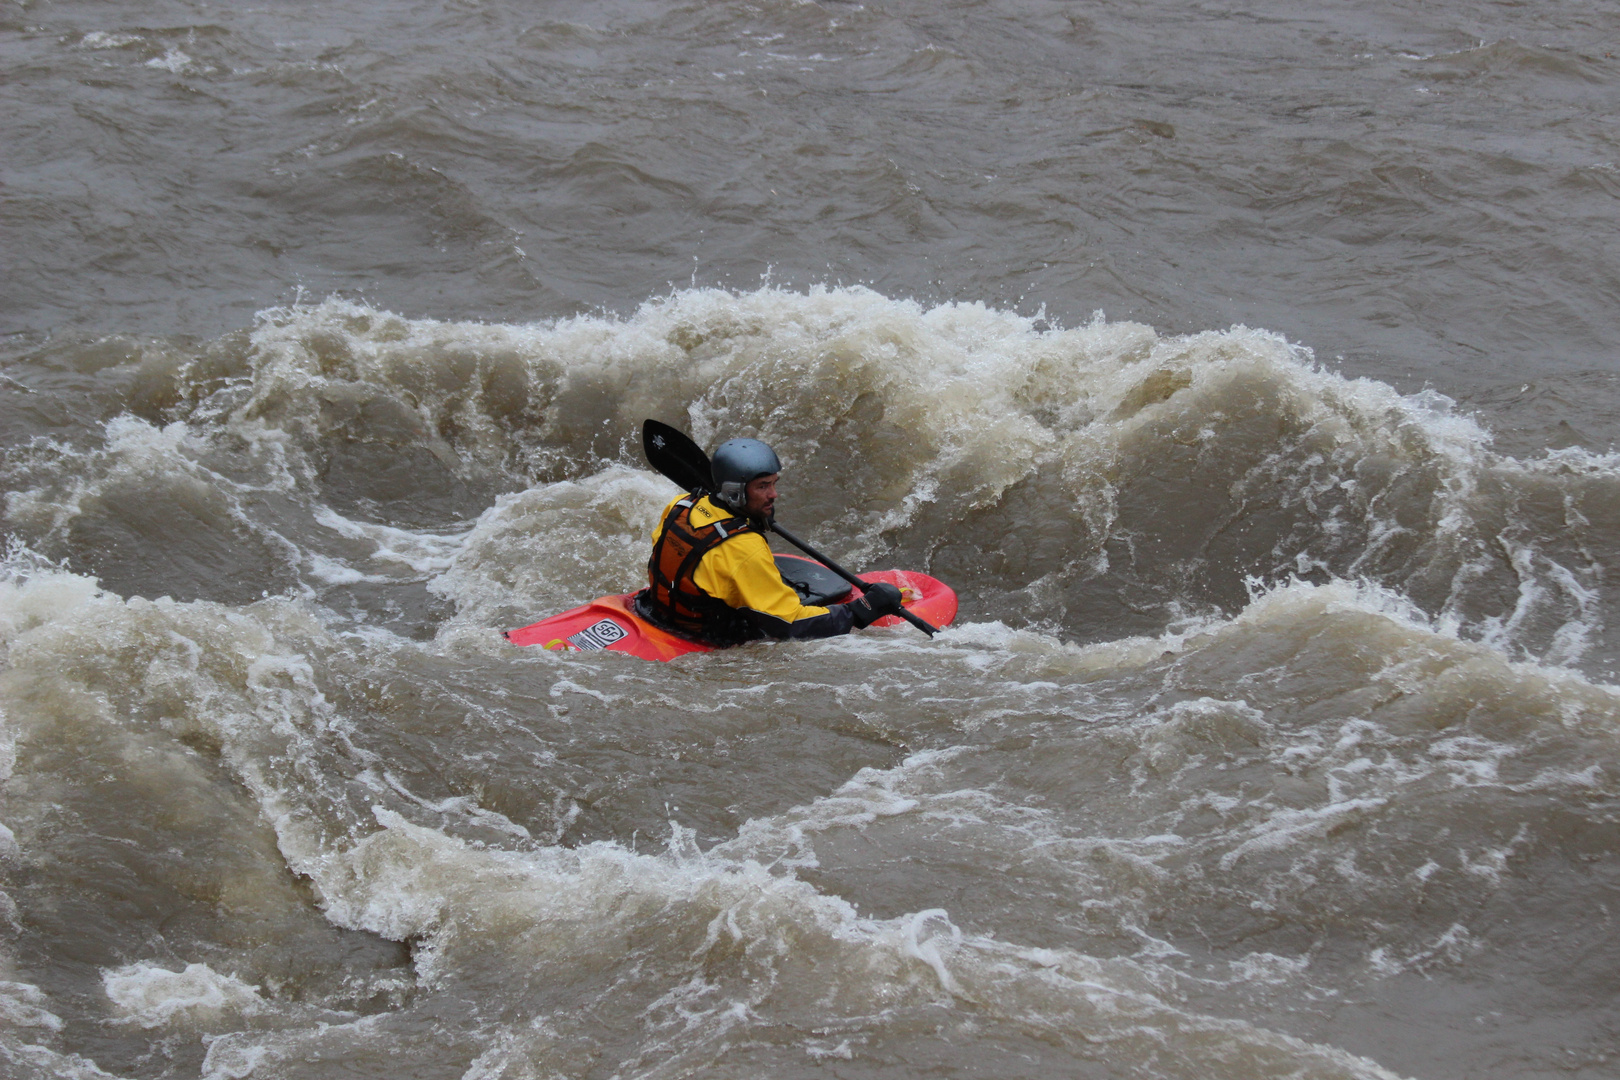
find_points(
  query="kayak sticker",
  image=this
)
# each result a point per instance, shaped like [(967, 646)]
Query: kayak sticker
[(598, 636)]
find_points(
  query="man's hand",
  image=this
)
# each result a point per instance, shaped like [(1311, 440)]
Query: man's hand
[(880, 600)]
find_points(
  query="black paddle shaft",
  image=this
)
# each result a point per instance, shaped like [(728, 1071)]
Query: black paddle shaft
[(676, 456), (914, 620)]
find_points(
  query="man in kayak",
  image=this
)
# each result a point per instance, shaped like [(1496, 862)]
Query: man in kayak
[(712, 576)]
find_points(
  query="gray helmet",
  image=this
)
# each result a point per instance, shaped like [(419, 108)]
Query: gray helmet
[(735, 463)]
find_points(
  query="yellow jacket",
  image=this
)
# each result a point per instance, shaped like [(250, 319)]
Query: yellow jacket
[(741, 572)]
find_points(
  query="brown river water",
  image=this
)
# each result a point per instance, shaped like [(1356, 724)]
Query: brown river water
[(1252, 372)]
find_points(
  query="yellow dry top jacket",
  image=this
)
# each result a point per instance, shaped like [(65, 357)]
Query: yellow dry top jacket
[(712, 577)]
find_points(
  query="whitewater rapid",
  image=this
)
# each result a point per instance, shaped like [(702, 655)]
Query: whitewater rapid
[(1275, 736)]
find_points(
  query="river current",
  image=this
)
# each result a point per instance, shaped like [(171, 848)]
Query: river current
[(1250, 372)]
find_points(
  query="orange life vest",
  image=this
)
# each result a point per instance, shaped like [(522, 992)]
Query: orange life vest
[(672, 598)]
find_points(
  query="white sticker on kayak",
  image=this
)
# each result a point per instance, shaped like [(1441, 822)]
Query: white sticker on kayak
[(600, 636)]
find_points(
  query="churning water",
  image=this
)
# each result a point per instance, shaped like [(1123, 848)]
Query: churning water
[(1250, 373)]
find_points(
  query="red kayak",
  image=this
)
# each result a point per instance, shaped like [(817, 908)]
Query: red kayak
[(609, 622)]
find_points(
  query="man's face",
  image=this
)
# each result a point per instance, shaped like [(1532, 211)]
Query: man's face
[(761, 493)]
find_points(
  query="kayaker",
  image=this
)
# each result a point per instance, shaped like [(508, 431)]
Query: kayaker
[(712, 576)]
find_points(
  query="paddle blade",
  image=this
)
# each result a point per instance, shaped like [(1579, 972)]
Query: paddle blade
[(672, 453)]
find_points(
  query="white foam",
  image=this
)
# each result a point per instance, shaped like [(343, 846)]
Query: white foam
[(420, 552), (566, 910), (31, 1061), (571, 910), (105, 39), (1449, 947), (146, 460), (336, 573), (173, 61), (153, 996), (1265, 967), (42, 597), (1288, 827), (549, 548), (24, 1005)]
